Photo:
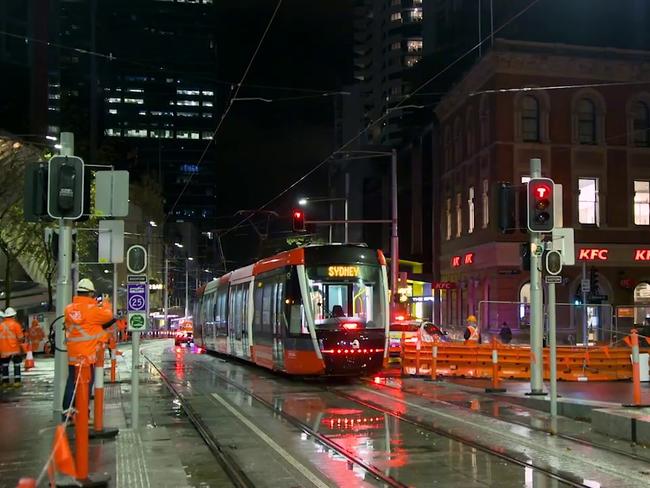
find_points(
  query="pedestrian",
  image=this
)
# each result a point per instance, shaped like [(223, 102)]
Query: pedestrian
[(471, 331), (36, 334), (86, 322), (11, 337), (505, 334)]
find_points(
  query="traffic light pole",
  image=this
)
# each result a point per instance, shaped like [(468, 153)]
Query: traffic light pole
[(536, 300), (63, 293), (394, 236)]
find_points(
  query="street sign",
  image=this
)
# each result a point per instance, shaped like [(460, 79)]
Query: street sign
[(136, 278), (585, 286), (137, 297), (137, 321), (553, 279)]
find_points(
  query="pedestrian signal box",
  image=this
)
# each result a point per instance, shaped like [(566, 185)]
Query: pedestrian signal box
[(540, 205)]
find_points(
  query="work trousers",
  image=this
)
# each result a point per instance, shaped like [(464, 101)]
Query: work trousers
[(4, 368), (70, 384)]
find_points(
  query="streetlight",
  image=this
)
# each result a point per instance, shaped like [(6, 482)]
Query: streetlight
[(305, 200), (178, 245)]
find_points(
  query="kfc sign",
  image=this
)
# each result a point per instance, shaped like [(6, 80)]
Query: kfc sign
[(458, 261), (642, 254), (593, 254), (443, 285)]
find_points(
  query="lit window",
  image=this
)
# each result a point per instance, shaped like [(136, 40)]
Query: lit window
[(189, 168), (194, 135), (206, 115), (459, 214), (642, 203), (135, 90), (112, 111), (396, 46), (54, 96), (588, 201), (169, 80), (530, 119), (142, 112), (156, 113), (114, 100), (586, 122), (207, 135), (396, 17), (187, 114), (188, 103), (161, 134), (448, 213), (414, 45), (136, 133), (416, 15), (113, 132), (187, 92), (207, 104), (182, 134), (411, 60), (641, 124), (470, 209), (208, 93), (137, 101), (486, 203)]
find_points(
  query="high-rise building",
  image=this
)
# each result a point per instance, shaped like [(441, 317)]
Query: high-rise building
[(387, 43)]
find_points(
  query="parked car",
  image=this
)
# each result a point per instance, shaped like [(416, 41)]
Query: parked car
[(409, 329)]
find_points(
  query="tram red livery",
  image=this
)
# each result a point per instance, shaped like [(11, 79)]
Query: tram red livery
[(314, 310)]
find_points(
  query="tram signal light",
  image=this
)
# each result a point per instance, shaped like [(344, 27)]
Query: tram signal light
[(553, 262), (540, 205), (298, 217)]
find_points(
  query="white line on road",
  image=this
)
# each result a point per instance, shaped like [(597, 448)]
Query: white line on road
[(288, 457)]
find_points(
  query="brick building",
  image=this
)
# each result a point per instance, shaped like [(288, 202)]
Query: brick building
[(592, 133)]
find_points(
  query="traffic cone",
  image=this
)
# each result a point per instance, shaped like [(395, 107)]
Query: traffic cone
[(63, 459), (26, 483), (29, 362)]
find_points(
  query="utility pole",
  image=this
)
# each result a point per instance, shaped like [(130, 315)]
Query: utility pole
[(63, 293), (166, 288), (536, 299), (187, 287), (394, 254)]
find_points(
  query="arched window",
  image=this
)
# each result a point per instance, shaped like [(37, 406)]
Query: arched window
[(586, 121), (530, 119), (484, 115), (641, 124), (524, 304), (470, 132), (458, 140)]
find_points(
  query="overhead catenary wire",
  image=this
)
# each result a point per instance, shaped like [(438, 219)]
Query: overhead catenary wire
[(228, 107), (382, 117), (559, 87)]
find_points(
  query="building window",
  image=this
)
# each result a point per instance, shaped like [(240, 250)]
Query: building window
[(114, 100), (396, 17), (448, 218), (187, 103), (206, 115), (113, 132), (414, 45), (208, 93), (136, 133), (524, 304), (470, 209), (459, 214), (205, 103), (112, 111), (642, 203), (136, 101), (588, 201), (411, 60), (458, 141), (641, 124), (486, 203), (586, 121), (396, 46), (187, 92), (449, 149), (484, 115), (530, 119), (416, 15)]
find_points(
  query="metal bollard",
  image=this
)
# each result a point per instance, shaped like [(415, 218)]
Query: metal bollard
[(496, 387), (636, 372), (99, 431)]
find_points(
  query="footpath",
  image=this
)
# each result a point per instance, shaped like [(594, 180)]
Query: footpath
[(165, 451)]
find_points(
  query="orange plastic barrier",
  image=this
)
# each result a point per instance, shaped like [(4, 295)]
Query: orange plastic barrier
[(476, 361)]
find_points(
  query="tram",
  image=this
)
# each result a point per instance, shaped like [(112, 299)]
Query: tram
[(313, 310)]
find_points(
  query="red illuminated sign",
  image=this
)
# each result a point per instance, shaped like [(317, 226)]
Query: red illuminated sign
[(542, 191), (467, 259), (593, 254), (642, 254), (443, 285)]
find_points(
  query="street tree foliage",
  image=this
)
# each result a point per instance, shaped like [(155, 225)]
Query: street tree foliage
[(20, 242)]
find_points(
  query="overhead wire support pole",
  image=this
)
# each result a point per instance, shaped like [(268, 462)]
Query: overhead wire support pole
[(394, 237), (63, 294), (536, 300)]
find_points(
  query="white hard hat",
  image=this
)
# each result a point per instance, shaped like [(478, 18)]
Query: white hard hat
[(10, 312), (85, 285)]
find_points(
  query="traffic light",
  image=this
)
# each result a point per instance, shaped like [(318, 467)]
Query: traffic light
[(593, 279), (505, 199), (553, 262), (35, 192), (65, 189), (136, 259), (540, 205), (298, 221)]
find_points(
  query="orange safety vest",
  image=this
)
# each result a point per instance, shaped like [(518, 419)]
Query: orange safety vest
[(84, 318), (10, 334), (473, 333), (36, 334)]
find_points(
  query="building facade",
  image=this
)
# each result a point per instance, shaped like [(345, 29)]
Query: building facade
[(587, 117)]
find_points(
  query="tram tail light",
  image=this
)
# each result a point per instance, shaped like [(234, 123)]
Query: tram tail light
[(350, 325)]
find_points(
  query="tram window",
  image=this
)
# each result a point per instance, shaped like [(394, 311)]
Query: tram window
[(298, 320), (279, 310), (337, 300), (257, 306), (266, 306)]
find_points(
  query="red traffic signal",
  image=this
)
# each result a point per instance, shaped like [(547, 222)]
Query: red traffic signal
[(298, 221), (540, 205)]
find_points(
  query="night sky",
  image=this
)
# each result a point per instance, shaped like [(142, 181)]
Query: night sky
[(263, 147)]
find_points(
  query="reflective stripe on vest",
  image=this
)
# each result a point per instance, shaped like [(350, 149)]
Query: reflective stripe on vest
[(6, 332), (83, 335)]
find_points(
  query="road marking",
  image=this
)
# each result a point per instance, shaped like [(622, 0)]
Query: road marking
[(288, 457)]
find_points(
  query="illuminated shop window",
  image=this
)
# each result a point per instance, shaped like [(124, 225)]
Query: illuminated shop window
[(642, 203), (588, 201)]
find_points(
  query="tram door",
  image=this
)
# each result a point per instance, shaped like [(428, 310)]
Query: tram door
[(279, 325), (238, 319)]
